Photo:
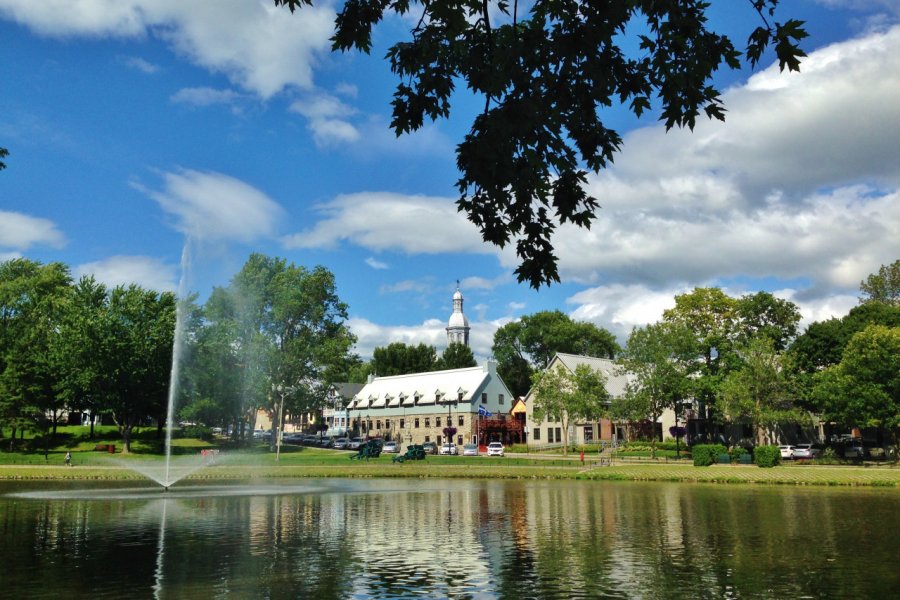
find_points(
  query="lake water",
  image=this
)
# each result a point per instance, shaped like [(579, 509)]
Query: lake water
[(447, 539)]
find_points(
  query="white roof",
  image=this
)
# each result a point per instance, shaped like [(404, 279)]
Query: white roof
[(448, 383)]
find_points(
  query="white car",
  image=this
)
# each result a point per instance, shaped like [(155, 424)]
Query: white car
[(470, 450), (806, 451), (495, 449), (787, 451), (449, 448), (391, 447)]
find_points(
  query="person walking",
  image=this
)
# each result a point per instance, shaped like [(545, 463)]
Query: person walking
[(68, 459)]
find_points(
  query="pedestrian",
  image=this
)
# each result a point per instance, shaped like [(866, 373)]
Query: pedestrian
[(68, 459), (582, 456)]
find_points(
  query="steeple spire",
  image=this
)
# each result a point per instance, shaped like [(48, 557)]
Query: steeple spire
[(458, 327)]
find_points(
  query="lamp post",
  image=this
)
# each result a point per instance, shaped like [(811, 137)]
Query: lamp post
[(282, 391)]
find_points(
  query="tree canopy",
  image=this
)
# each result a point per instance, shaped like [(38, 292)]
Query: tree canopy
[(530, 343), (883, 286), (569, 397), (546, 73)]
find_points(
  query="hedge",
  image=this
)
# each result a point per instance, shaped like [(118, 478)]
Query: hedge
[(767, 456), (707, 454)]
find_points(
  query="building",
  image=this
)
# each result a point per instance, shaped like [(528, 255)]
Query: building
[(334, 412), (458, 326), (420, 407), (549, 433)]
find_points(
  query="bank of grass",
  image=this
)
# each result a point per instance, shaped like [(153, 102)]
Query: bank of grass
[(294, 462)]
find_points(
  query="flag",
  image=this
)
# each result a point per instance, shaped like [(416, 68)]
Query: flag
[(483, 412)]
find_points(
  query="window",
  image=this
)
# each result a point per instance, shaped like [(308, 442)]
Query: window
[(437, 421), (416, 399), (459, 397), (461, 420), (427, 422), (501, 399), (369, 427), (378, 424), (402, 423), (459, 440), (387, 423), (484, 397), (558, 435), (416, 423), (537, 434), (428, 438), (588, 433)]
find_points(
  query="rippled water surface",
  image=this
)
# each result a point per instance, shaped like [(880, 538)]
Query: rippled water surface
[(447, 539)]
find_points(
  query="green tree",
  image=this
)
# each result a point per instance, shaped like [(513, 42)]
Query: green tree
[(32, 301), (398, 358), (763, 315), (545, 76), (662, 361), (530, 343), (566, 397), (883, 286), (864, 388), (456, 356), (712, 316), (760, 391)]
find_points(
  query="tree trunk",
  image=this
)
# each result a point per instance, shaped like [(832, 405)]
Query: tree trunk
[(92, 425), (565, 427)]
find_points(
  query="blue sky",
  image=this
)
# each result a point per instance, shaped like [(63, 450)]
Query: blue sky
[(133, 124)]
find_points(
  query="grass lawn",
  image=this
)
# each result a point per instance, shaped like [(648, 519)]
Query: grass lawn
[(300, 462)]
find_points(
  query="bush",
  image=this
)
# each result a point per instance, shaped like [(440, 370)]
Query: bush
[(767, 456), (198, 432), (707, 454), (736, 453)]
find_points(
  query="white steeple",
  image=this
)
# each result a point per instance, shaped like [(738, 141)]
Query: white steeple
[(458, 327)]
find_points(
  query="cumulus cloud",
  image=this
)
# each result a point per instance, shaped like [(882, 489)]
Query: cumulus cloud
[(381, 221), (800, 182), (21, 232), (258, 46), (211, 206), (145, 271), (432, 332)]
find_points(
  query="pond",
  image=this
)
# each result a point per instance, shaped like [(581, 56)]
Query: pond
[(447, 539)]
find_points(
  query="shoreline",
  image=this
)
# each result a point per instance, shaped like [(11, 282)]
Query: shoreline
[(806, 475)]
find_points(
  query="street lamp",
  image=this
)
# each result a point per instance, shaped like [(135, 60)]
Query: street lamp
[(283, 392)]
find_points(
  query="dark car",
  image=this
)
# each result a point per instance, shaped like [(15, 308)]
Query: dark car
[(430, 448)]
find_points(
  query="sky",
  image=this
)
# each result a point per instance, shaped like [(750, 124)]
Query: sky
[(136, 125)]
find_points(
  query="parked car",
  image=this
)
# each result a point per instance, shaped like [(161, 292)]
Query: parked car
[(807, 451), (341, 443), (294, 438), (355, 443), (449, 448), (495, 449), (854, 449), (470, 450), (787, 451), (391, 447), (430, 448)]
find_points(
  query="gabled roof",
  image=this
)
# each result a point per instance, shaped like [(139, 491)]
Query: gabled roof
[(425, 385), (616, 377)]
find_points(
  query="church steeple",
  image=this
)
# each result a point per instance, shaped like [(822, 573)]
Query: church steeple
[(458, 327)]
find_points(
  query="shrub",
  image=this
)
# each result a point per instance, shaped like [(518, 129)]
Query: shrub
[(736, 453), (707, 454), (767, 456), (197, 431)]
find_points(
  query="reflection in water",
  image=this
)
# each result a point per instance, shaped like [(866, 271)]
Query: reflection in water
[(441, 539)]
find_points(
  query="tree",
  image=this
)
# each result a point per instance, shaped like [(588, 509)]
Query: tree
[(456, 356), (32, 301), (567, 397), (760, 391), (763, 315), (712, 316), (399, 359), (522, 346), (545, 77), (863, 390), (662, 361), (883, 286)]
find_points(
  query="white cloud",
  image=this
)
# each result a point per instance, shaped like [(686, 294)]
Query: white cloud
[(205, 96), (257, 45), (215, 207), (420, 286), (482, 283), (21, 232), (432, 332), (376, 264), (148, 272), (619, 308), (138, 63), (381, 221)]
